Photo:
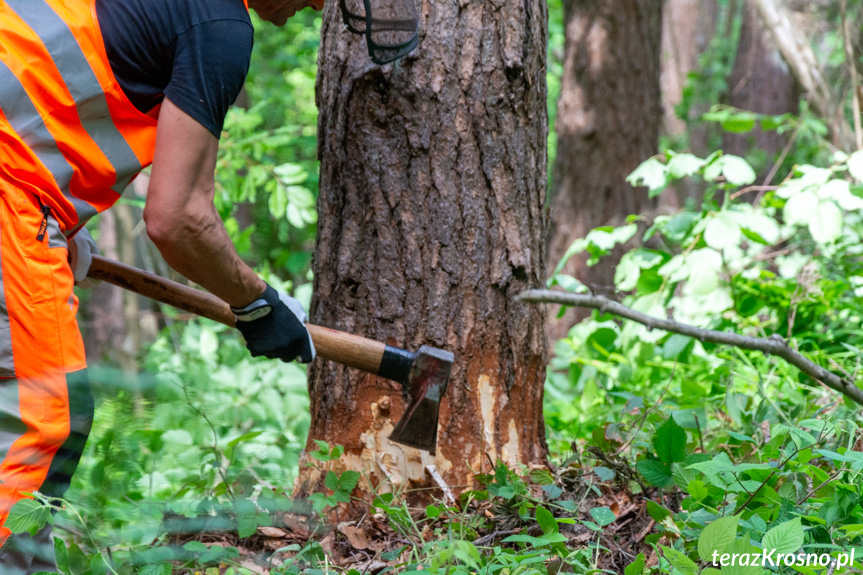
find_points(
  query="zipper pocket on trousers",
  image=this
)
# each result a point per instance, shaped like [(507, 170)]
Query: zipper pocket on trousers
[(43, 227)]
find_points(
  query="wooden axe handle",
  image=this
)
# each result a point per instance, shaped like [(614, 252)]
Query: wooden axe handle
[(345, 348)]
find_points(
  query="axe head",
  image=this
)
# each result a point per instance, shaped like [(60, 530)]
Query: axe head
[(425, 387)]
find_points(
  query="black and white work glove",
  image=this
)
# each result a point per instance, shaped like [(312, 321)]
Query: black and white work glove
[(82, 248), (273, 326)]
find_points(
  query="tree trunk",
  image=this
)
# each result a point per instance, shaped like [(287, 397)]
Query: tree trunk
[(759, 82), (431, 219), (795, 49), (688, 26), (608, 121)]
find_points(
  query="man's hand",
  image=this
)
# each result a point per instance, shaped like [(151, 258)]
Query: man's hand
[(273, 327), (82, 247)]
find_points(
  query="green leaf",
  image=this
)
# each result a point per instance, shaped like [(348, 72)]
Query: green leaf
[(717, 536), (553, 538), (651, 174), (195, 547), (98, 565), (160, 569), (754, 236), (331, 481), (855, 165), (739, 123), (785, 538), (604, 473), (603, 515), (348, 480), (683, 165), (740, 437), (819, 425), (290, 174), (278, 204), (28, 515), (799, 208), (679, 561), (697, 489), (530, 540), (636, 567), (178, 436), (245, 437), (546, 520), (670, 442), (656, 473), (740, 548), (394, 554), (61, 553), (722, 232), (247, 525), (541, 476), (657, 512), (825, 225), (735, 169)]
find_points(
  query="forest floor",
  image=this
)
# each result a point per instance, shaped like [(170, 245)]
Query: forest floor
[(389, 540)]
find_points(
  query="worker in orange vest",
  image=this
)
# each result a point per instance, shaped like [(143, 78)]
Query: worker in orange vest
[(92, 92)]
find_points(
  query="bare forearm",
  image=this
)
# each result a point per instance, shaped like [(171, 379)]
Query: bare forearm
[(198, 246), (181, 218)]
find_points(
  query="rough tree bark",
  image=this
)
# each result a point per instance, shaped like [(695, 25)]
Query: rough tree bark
[(608, 121), (431, 219)]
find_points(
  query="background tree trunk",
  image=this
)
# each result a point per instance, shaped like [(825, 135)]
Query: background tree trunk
[(688, 27), (759, 82), (432, 186), (608, 120)]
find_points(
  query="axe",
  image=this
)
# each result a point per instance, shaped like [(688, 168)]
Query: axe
[(424, 374)]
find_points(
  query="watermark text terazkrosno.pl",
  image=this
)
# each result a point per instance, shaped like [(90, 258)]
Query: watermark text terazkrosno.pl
[(772, 558)]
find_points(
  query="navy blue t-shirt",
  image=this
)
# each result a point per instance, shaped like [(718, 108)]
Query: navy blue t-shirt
[(194, 52)]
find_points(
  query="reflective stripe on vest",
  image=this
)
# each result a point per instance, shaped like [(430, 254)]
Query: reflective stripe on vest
[(69, 131)]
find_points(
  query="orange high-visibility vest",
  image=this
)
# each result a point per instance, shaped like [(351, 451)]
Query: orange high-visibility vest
[(68, 134)]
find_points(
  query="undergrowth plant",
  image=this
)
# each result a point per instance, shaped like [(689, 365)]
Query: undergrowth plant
[(735, 451)]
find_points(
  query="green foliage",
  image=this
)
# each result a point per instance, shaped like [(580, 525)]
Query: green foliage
[(744, 442), (28, 516), (728, 450), (267, 173), (188, 449)]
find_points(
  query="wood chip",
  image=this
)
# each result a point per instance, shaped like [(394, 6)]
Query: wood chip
[(432, 470)]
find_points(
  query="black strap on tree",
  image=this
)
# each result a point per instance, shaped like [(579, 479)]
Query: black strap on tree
[(389, 36)]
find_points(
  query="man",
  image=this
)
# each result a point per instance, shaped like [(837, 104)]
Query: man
[(91, 92)]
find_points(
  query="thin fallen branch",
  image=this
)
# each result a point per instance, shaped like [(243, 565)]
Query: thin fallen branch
[(773, 345)]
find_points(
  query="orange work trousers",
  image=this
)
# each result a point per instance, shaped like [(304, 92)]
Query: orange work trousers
[(45, 410)]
